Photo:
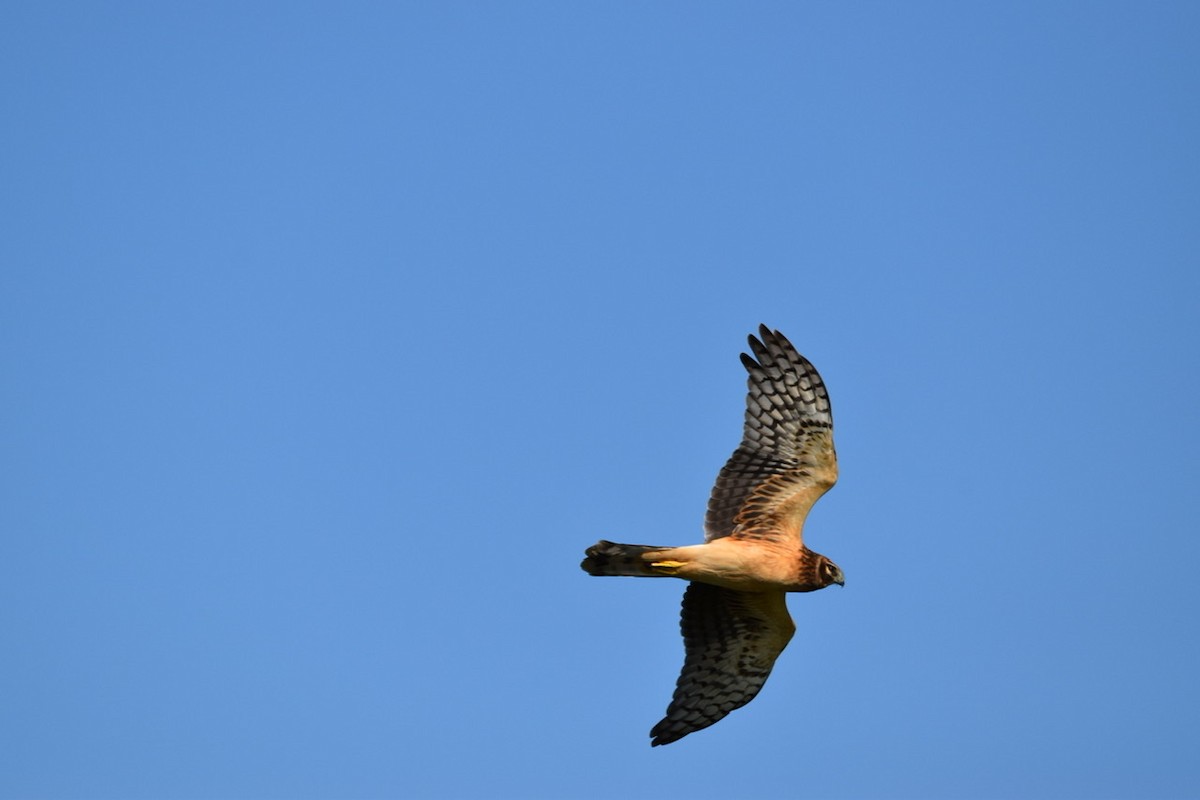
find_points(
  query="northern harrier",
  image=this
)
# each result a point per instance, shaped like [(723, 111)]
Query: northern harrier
[(735, 621)]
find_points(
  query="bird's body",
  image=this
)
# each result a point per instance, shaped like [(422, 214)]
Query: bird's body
[(781, 566), (734, 620)]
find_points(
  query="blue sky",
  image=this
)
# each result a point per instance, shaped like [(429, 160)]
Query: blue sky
[(333, 333)]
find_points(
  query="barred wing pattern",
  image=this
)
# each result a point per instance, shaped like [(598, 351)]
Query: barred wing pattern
[(732, 640), (786, 460)]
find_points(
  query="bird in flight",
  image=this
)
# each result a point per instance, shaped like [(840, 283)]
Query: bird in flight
[(734, 620)]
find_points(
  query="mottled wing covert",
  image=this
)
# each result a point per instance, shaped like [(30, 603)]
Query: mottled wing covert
[(732, 640), (786, 459)]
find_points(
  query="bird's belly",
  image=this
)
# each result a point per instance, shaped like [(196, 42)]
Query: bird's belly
[(747, 569)]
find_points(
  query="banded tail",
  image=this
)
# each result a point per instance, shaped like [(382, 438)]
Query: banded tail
[(610, 558)]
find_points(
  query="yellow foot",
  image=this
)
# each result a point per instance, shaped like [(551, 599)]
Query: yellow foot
[(667, 567)]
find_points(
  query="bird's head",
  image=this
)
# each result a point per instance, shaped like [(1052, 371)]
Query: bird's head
[(829, 572), (817, 572)]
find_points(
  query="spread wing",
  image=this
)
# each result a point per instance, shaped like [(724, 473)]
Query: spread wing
[(786, 459), (731, 641)]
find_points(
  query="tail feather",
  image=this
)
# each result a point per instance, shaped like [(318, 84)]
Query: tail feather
[(610, 558)]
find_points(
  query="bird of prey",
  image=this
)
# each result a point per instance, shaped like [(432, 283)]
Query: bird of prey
[(734, 620)]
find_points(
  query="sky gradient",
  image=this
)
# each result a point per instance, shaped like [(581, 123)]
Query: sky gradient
[(333, 333)]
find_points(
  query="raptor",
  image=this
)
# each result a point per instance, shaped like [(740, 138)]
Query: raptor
[(735, 620)]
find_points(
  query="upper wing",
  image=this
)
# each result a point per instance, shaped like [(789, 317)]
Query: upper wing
[(786, 459), (732, 640)]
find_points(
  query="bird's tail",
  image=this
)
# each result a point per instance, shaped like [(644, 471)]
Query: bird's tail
[(610, 558)]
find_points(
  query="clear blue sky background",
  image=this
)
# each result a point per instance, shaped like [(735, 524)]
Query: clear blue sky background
[(333, 333)]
